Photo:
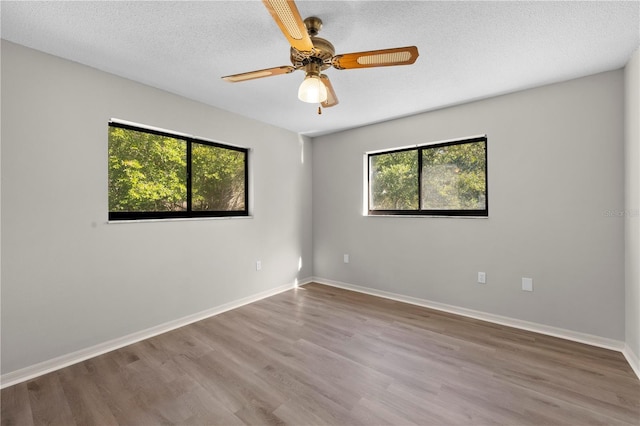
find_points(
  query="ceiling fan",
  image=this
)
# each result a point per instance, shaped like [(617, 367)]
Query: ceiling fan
[(313, 55)]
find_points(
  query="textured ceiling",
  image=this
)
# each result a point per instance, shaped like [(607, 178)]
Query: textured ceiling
[(468, 50)]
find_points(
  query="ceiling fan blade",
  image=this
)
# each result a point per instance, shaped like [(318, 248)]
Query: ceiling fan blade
[(376, 58), (286, 15), (268, 72), (332, 99)]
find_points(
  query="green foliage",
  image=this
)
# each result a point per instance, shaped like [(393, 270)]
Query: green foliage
[(147, 172), (218, 179), (453, 178), (394, 181)]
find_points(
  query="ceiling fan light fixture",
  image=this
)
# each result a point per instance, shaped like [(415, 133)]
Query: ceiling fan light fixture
[(312, 90)]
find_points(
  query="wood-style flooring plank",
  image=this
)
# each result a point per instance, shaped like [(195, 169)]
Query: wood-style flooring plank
[(16, 409), (318, 355), (48, 401)]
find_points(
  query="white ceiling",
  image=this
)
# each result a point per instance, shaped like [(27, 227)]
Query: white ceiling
[(468, 50)]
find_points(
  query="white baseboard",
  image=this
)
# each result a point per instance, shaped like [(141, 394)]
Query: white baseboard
[(304, 281), (57, 363), (632, 359), (562, 333), (32, 371)]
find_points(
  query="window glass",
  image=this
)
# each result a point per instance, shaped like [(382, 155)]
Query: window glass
[(446, 179), (147, 172), (218, 178), (454, 177), (394, 180), (156, 174)]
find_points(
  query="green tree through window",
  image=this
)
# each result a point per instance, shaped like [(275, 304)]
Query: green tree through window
[(441, 179), (394, 181), (218, 178), (454, 177), (154, 174), (147, 172)]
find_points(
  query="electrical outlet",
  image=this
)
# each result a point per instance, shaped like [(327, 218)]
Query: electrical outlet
[(258, 265), (527, 284), (482, 278), (346, 258)]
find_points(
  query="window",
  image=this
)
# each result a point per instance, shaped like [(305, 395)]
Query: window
[(155, 174), (442, 179)]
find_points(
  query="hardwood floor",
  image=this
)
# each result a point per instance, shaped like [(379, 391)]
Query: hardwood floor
[(319, 355)]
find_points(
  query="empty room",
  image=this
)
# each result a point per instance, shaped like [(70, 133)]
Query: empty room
[(320, 212)]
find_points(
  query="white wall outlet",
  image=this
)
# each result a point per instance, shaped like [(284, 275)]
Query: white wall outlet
[(527, 284), (482, 278), (258, 265), (346, 258)]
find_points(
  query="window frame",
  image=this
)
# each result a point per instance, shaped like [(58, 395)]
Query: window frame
[(188, 213), (430, 212)]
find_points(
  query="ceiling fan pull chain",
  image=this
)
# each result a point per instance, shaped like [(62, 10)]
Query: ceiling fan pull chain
[(319, 110)]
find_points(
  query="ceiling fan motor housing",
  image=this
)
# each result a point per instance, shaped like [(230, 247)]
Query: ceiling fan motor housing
[(321, 54), (323, 51)]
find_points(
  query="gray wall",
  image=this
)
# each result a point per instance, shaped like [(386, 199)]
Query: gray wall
[(555, 156), (632, 203), (69, 280)]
